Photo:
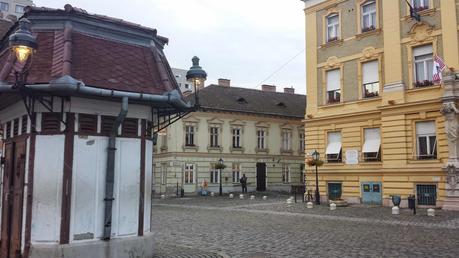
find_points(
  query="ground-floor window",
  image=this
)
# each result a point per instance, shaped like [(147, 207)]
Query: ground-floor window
[(236, 172), (335, 191), (163, 173), (189, 173), (426, 194), (214, 174), (285, 173)]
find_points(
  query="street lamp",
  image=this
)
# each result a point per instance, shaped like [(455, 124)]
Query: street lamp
[(197, 76), (22, 42), (220, 163), (316, 157)]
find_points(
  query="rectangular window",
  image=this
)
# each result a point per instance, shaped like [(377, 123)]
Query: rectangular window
[(369, 16), (19, 8), (286, 140), (370, 79), (285, 173), (423, 65), (163, 173), (236, 137), (214, 174), (426, 140), (332, 27), (333, 86), (302, 142), (214, 137), (236, 172), (189, 135), (420, 5), (4, 7), (333, 150), (189, 174), (372, 144), (261, 139), (426, 194)]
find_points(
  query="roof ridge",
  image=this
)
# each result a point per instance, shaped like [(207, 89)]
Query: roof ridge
[(236, 87)]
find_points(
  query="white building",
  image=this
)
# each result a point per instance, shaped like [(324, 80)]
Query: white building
[(14, 7), (180, 76)]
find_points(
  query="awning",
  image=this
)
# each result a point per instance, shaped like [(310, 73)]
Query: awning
[(333, 148), (371, 146)]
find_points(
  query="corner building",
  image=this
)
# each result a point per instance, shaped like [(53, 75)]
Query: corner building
[(374, 113)]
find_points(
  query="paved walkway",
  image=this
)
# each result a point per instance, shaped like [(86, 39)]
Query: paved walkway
[(256, 228)]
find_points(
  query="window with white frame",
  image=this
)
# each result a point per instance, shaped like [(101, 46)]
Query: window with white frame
[(4, 6), (19, 8), (236, 172), (285, 173), (286, 140), (333, 150), (370, 79), (302, 144), (423, 65), (368, 16), (420, 5), (333, 86), (426, 140), (237, 137), (163, 173), (214, 137), (372, 144), (189, 174), (214, 174), (189, 135), (332, 27), (261, 141)]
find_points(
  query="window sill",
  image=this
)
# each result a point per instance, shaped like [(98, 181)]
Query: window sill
[(257, 150), (424, 161), (330, 105), (426, 12), (234, 149), (334, 164), (220, 149), (432, 87), (286, 151), (333, 43), (371, 163), (368, 33), (194, 148)]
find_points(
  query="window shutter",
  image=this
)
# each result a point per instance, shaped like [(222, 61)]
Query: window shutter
[(50, 123), (107, 124), (8, 130), (333, 80), (87, 124), (130, 127), (422, 50), (425, 128), (370, 72), (25, 121), (16, 127)]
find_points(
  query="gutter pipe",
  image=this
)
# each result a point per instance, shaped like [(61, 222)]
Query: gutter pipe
[(110, 176)]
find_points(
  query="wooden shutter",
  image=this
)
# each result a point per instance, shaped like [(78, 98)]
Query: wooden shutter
[(25, 121), (130, 127), (8, 130), (16, 127), (50, 123), (107, 124), (87, 124)]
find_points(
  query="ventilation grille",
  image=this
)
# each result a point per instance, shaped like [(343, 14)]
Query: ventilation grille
[(87, 124), (130, 127), (50, 123), (16, 127), (25, 120), (107, 124), (8, 130)]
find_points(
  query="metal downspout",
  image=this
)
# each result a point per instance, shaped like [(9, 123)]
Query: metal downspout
[(110, 176)]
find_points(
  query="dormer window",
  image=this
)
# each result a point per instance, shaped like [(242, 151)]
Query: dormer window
[(332, 27), (369, 16), (241, 100), (281, 104)]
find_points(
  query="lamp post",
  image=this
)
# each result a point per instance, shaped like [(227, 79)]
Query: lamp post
[(197, 76), (220, 163), (316, 157)]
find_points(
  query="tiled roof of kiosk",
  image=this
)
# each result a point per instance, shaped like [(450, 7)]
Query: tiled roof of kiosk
[(235, 99), (104, 52)]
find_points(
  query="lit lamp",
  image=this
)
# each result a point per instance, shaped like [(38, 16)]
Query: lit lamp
[(316, 157), (22, 42), (221, 166), (197, 76)]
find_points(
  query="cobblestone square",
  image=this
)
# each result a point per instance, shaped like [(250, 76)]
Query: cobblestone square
[(223, 227)]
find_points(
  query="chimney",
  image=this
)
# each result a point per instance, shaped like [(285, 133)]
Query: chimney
[(224, 82), (270, 88), (290, 90)]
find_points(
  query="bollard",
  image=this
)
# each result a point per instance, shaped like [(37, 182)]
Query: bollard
[(241, 196), (212, 194), (289, 201), (163, 196), (309, 205), (431, 212), (332, 206), (231, 196), (395, 210), (252, 197), (265, 197)]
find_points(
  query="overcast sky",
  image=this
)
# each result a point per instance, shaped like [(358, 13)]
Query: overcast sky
[(247, 41)]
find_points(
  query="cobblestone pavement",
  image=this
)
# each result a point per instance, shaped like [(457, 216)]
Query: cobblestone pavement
[(215, 226)]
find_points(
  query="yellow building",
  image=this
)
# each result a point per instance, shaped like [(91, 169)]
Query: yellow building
[(374, 113)]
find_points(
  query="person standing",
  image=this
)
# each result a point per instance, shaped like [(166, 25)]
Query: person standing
[(243, 181)]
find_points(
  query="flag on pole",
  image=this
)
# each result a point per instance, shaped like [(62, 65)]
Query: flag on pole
[(438, 67)]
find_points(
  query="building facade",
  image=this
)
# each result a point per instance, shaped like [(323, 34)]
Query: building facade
[(374, 112), (256, 133), (180, 76), (14, 7)]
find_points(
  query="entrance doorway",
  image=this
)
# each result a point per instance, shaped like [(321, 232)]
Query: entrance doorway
[(371, 193), (12, 198), (261, 176)]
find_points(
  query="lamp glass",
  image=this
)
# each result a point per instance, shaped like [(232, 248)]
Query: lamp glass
[(316, 155), (220, 161), (22, 53)]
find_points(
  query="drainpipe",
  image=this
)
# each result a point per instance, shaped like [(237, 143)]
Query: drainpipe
[(110, 176)]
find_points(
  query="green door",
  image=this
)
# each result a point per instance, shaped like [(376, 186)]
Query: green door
[(334, 191)]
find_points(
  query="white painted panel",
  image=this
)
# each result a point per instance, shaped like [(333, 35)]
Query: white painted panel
[(127, 183), (148, 185), (49, 156), (26, 190), (108, 108), (88, 186)]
